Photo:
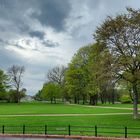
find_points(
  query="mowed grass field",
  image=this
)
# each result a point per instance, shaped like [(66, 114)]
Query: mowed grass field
[(45, 108), (93, 115), (84, 115)]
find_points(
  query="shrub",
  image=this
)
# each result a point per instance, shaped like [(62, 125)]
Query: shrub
[(125, 99)]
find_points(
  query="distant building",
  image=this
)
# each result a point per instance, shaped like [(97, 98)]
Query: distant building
[(27, 98)]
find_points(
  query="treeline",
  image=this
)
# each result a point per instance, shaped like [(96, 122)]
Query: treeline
[(11, 84), (87, 79), (97, 70)]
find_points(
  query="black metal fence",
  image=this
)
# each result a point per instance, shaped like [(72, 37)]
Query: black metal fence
[(97, 131)]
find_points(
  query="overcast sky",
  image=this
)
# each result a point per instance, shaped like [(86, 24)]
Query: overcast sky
[(42, 34)]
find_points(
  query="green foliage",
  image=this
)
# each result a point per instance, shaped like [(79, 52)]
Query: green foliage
[(77, 74), (11, 95), (125, 99), (120, 35), (3, 81), (3, 85), (51, 91), (38, 96)]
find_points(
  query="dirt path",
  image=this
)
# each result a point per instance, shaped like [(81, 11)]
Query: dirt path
[(109, 107), (39, 115)]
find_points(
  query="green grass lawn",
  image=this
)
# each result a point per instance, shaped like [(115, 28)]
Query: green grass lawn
[(43, 108), (118, 105), (36, 125), (118, 120)]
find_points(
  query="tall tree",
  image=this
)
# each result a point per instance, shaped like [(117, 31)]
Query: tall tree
[(77, 74), (100, 75), (16, 74), (56, 75), (121, 35)]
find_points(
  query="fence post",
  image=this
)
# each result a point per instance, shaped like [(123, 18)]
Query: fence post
[(95, 130), (69, 130), (23, 129), (45, 129), (125, 132), (3, 129)]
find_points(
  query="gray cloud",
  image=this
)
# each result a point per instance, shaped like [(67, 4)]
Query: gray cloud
[(50, 43), (52, 29), (8, 58), (53, 13), (6, 42), (37, 34)]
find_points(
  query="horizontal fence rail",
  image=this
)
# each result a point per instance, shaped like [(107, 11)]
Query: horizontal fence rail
[(94, 130)]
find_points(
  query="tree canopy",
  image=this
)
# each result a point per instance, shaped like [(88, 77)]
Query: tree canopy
[(121, 36)]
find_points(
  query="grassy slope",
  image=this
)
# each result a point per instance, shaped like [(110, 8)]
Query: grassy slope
[(119, 120), (43, 108), (62, 123)]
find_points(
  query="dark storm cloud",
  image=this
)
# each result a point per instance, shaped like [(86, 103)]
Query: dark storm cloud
[(50, 13), (37, 34), (41, 36), (53, 13)]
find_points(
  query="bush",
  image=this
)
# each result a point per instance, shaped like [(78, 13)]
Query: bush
[(125, 99)]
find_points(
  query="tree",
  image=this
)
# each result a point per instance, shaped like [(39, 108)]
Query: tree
[(3, 84), (56, 75), (16, 74), (121, 36), (50, 91), (3, 81), (38, 96), (77, 74), (101, 78)]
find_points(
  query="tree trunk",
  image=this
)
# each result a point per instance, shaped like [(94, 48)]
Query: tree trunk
[(17, 97), (93, 99), (51, 100), (75, 100), (54, 100), (113, 96), (135, 102), (131, 96), (101, 98), (108, 99), (83, 99)]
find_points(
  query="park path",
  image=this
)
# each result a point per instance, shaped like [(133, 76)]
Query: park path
[(39, 115), (109, 107)]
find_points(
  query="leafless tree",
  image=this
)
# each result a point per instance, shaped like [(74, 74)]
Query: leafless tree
[(16, 73), (56, 75)]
